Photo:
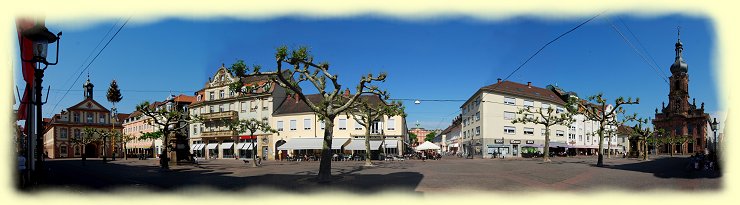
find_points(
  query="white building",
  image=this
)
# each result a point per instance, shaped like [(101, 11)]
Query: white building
[(301, 132), (487, 127)]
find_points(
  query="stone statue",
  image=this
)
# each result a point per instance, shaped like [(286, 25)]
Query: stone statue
[(656, 110), (702, 105)]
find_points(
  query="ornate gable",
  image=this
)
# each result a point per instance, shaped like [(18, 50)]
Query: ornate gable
[(89, 104), (222, 77)]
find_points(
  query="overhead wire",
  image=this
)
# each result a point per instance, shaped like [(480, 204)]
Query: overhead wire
[(90, 63), (624, 38)]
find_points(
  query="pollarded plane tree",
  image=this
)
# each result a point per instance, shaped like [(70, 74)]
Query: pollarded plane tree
[(644, 134), (545, 117), (599, 110), (166, 122), (87, 136), (252, 126), (369, 111), (302, 69)]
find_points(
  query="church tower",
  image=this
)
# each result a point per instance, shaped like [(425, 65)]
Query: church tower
[(88, 88), (678, 97)]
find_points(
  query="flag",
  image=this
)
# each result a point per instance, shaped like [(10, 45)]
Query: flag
[(26, 67)]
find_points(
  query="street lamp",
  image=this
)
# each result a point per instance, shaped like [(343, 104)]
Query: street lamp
[(714, 128), (40, 37)]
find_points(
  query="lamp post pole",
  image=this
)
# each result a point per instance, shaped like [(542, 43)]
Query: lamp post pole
[(714, 125)]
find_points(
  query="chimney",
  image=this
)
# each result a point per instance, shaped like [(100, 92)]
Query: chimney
[(499, 80), (346, 92), (529, 84)]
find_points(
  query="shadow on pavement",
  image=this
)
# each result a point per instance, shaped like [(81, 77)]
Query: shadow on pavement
[(99, 176), (667, 167)]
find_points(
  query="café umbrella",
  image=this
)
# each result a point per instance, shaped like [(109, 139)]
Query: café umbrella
[(427, 146)]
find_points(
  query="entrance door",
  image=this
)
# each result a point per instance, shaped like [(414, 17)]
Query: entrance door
[(516, 150), (91, 151), (264, 151)]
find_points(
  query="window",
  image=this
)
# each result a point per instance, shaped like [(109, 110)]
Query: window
[(77, 150), (280, 125), (560, 133), (477, 131), (306, 124), (542, 132), (323, 125), (195, 129), (528, 131), (231, 93), (342, 124), (254, 106), (391, 124), (509, 130), (63, 133), (101, 118), (89, 118), (228, 107), (264, 104), (477, 116), (580, 137), (77, 134), (528, 103), (559, 110), (293, 124), (221, 108), (210, 109), (545, 106), (63, 150), (199, 98), (509, 115), (571, 136), (477, 101), (221, 94), (358, 126), (509, 100), (374, 127), (244, 106), (211, 95), (529, 116)]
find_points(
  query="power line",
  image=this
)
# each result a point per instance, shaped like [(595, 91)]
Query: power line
[(137, 91), (638, 52), (93, 60), (548, 43), (640, 44)]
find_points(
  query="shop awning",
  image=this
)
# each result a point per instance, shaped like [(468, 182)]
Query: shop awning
[(303, 144), (246, 146), (145, 145), (391, 144), (359, 144), (199, 146), (193, 146), (338, 143), (453, 145), (211, 146), (227, 145)]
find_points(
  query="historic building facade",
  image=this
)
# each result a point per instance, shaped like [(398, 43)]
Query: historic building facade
[(682, 117), (301, 131), (70, 123), (216, 104), (487, 128), (137, 124)]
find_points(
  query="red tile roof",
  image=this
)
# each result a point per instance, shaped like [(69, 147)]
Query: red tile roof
[(290, 105), (523, 90)]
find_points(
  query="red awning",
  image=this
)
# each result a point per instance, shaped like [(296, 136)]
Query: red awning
[(247, 137)]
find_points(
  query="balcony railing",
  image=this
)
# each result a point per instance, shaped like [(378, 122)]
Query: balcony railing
[(220, 115), (217, 133)]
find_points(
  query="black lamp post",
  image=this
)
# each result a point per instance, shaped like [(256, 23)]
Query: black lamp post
[(41, 38), (714, 128)]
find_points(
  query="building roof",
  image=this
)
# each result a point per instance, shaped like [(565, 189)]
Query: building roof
[(624, 129), (293, 104), (533, 92), (184, 98)]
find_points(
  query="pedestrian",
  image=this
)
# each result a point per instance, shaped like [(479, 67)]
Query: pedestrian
[(22, 170)]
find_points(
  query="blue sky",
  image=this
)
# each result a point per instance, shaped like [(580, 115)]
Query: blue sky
[(442, 58)]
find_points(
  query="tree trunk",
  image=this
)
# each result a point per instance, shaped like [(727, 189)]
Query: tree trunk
[(367, 145), (645, 151), (600, 161), (164, 158), (325, 164), (546, 149), (609, 147), (254, 150), (125, 152)]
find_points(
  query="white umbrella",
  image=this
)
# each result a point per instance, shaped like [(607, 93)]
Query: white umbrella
[(427, 145)]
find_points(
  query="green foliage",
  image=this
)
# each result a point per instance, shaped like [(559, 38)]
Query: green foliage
[(430, 137), (114, 94), (151, 135)]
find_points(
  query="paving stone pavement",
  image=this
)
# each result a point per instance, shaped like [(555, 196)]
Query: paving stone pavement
[(410, 176)]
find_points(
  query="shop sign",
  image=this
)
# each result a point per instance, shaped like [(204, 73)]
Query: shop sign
[(515, 141), (530, 141), (499, 141)]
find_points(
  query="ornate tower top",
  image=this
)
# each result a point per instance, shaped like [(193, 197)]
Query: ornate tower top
[(88, 87), (679, 65)]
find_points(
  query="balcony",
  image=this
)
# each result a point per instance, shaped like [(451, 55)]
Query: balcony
[(220, 115), (223, 133)]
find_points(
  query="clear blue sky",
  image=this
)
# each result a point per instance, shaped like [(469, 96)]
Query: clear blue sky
[(444, 58)]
